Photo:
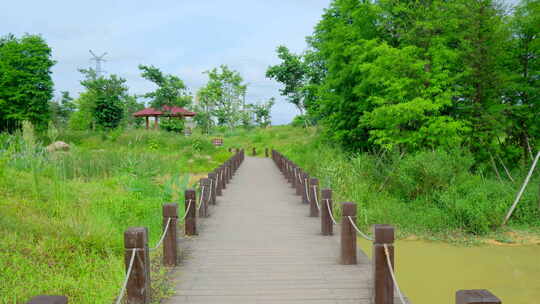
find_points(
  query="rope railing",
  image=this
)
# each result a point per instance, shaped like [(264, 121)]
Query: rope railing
[(163, 235), (128, 273), (187, 211), (391, 270), (210, 193), (316, 197), (200, 198), (330, 212), (365, 236), (306, 187)]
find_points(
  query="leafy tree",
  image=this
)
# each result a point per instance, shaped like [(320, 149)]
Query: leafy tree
[(83, 118), (523, 66), (62, 109), (262, 112), (300, 76), (132, 105), (172, 125), (412, 74), (108, 97), (224, 95), (26, 86), (171, 89), (206, 100)]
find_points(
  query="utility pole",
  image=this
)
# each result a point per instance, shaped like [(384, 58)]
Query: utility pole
[(98, 60)]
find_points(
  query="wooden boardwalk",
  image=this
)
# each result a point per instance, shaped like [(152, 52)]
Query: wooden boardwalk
[(260, 246)]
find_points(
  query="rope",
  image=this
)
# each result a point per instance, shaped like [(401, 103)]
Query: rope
[(162, 236), (200, 199), (330, 212), (358, 230), (316, 198), (187, 210), (392, 273), (306, 187), (210, 194), (121, 295)]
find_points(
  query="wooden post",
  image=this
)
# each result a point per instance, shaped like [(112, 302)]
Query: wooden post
[(213, 185), (48, 300), (294, 173), (170, 247), (147, 122), (204, 197), (191, 219), (348, 234), (327, 226), (254, 152), (138, 286), (299, 181), (384, 286), (478, 296), (218, 182), (266, 152), (314, 197), (156, 121), (223, 176)]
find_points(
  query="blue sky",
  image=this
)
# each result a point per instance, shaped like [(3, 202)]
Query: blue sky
[(181, 37)]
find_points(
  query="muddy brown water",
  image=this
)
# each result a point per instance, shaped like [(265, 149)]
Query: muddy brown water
[(431, 272)]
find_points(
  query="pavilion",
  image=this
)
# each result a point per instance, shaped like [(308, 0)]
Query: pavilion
[(167, 111)]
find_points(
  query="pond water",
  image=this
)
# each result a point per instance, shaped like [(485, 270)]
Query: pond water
[(431, 272)]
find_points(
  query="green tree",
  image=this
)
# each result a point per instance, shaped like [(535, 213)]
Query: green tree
[(224, 93), (62, 109), (132, 105), (204, 106), (262, 112), (109, 95), (299, 75), (26, 86), (171, 90), (523, 66), (83, 118)]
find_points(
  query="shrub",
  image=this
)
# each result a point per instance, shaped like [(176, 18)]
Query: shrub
[(172, 125)]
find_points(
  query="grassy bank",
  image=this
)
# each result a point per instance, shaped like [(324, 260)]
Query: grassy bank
[(432, 194), (64, 213)]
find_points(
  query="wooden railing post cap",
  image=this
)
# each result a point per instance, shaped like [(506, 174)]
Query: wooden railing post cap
[(326, 193), (190, 193), (383, 234), (348, 209), (170, 210), (476, 296), (136, 237)]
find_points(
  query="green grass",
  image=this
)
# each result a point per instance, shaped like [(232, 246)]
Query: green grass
[(64, 213)]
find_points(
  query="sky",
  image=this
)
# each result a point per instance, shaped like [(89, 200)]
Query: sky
[(182, 37)]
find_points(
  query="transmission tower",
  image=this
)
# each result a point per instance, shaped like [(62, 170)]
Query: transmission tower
[(98, 60)]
